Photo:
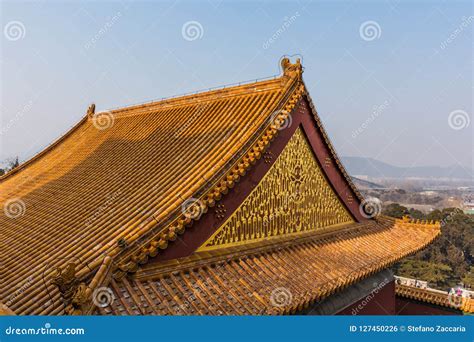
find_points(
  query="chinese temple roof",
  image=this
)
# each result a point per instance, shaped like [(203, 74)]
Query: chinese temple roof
[(129, 191)]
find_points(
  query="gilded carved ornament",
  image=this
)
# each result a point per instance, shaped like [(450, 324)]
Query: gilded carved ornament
[(294, 197)]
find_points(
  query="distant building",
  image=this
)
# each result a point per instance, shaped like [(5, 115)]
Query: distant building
[(429, 193), (468, 207)]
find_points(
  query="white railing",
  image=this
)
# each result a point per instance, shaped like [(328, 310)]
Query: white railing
[(421, 284), (411, 282)]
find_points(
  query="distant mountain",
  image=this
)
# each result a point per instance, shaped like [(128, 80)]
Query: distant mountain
[(361, 166)]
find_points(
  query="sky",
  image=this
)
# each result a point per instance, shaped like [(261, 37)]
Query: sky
[(391, 80)]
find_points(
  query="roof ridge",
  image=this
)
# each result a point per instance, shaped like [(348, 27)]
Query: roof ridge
[(212, 95), (5, 310), (197, 93), (287, 70), (342, 230)]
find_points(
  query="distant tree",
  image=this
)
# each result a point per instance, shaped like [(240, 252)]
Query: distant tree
[(11, 163), (416, 214), (454, 248), (14, 163), (435, 274), (468, 279), (455, 257), (435, 215), (395, 210)]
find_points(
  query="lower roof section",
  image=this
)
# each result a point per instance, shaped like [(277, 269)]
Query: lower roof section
[(357, 297), (280, 279)]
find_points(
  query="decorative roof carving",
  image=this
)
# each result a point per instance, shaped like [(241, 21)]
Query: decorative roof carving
[(76, 294), (291, 70), (293, 198), (66, 281), (91, 110)]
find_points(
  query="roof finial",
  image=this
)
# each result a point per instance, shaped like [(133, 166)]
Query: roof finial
[(91, 110), (291, 70)]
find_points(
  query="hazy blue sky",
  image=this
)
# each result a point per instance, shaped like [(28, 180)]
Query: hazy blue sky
[(385, 92)]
